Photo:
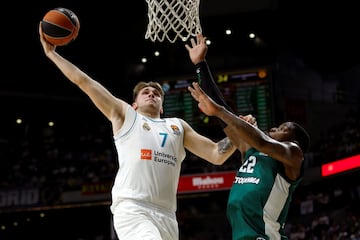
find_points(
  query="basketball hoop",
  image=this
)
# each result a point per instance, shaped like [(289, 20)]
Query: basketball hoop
[(172, 19)]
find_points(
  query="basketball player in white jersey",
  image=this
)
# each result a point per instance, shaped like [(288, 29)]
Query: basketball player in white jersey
[(150, 152)]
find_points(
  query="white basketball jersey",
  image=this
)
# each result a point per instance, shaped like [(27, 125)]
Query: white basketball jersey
[(150, 152)]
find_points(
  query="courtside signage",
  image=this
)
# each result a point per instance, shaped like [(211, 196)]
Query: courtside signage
[(206, 182), (340, 166)]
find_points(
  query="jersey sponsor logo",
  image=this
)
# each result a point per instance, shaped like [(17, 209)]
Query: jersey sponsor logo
[(175, 129), (160, 157), (165, 158), (243, 180), (145, 154)]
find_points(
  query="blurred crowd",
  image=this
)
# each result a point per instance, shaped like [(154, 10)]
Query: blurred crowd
[(55, 155)]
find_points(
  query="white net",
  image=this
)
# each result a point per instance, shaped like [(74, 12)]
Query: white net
[(172, 19)]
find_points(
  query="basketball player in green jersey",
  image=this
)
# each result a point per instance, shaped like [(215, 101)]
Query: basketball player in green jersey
[(272, 163)]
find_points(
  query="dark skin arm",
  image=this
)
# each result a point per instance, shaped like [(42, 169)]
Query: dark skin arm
[(197, 50), (238, 130)]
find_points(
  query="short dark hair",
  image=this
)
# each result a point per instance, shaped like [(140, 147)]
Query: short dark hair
[(301, 136), (142, 85)]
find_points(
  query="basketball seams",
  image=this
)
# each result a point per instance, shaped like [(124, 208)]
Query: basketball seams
[(55, 31), (71, 16), (66, 21)]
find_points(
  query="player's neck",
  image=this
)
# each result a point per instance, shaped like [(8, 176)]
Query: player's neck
[(154, 115)]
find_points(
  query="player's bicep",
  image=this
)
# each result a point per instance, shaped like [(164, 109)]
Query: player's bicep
[(197, 143), (286, 152)]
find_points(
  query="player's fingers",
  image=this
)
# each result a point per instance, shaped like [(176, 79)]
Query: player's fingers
[(193, 93), (193, 43), (204, 39), (198, 38)]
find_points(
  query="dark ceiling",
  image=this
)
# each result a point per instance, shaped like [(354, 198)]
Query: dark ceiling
[(111, 41)]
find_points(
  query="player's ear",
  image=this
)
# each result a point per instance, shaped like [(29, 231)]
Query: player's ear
[(161, 110), (134, 106)]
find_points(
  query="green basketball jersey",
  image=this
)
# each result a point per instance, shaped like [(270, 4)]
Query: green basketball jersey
[(259, 199)]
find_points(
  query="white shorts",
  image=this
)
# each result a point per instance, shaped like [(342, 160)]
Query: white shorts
[(143, 221)]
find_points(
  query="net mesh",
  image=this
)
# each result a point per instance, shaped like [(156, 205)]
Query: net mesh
[(172, 19)]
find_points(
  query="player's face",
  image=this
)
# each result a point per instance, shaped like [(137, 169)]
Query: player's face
[(149, 96), (282, 132)]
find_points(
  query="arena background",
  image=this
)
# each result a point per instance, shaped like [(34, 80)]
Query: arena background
[(55, 180)]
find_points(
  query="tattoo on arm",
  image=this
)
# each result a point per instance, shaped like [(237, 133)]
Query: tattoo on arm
[(224, 145)]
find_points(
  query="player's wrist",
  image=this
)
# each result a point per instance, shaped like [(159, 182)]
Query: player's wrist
[(200, 67), (200, 63)]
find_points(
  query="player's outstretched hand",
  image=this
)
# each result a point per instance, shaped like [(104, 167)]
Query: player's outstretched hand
[(205, 103)]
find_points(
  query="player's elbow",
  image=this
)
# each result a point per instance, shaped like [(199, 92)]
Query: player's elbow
[(218, 162)]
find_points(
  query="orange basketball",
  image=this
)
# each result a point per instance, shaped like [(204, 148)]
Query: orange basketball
[(60, 26)]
